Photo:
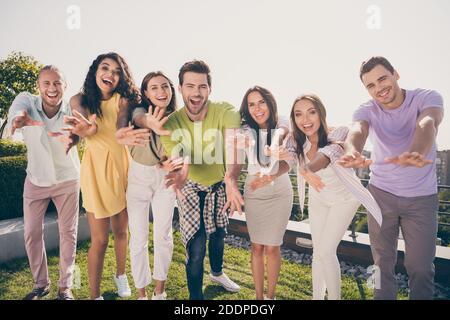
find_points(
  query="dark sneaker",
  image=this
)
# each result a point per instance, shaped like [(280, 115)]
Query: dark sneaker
[(38, 293), (65, 294)]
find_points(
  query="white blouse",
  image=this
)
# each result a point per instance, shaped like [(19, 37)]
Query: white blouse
[(346, 176), (254, 167)]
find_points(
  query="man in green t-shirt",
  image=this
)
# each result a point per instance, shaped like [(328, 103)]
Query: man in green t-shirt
[(207, 184)]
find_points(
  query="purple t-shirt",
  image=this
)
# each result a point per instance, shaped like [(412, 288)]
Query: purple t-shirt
[(391, 133)]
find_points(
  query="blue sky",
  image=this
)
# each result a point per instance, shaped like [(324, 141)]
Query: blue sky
[(289, 46)]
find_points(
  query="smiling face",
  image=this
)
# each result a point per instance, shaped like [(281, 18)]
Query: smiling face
[(107, 76), (383, 87), (159, 92), (51, 87), (195, 91), (307, 118), (258, 109)]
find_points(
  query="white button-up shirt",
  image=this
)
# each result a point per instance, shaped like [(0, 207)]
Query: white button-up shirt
[(347, 176), (48, 163)]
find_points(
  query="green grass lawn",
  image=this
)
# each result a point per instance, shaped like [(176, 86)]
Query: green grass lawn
[(294, 281)]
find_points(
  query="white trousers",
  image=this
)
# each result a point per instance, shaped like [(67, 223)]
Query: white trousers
[(145, 187), (328, 222)]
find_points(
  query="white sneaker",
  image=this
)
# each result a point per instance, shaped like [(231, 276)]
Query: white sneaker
[(225, 282), (99, 298), (123, 289), (143, 298), (267, 298), (161, 296)]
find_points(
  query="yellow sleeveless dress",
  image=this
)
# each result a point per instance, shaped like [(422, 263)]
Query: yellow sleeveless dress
[(104, 167)]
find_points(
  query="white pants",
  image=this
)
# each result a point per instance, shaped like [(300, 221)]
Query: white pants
[(329, 219), (145, 186)]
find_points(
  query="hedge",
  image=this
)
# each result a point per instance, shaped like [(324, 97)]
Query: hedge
[(13, 164), (12, 148), (12, 173)]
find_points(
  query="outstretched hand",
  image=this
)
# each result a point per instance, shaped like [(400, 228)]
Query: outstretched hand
[(172, 164), (155, 121), (68, 140), (313, 179), (413, 159), (23, 120), (354, 160), (279, 153), (178, 177), (79, 125), (261, 181), (235, 201), (133, 137)]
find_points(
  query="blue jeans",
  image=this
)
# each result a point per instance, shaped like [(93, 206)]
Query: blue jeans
[(196, 249)]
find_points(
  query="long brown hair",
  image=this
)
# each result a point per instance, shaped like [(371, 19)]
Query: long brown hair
[(146, 102), (248, 120), (298, 135), (91, 95)]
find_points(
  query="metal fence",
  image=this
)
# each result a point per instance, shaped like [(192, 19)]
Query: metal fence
[(442, 215)]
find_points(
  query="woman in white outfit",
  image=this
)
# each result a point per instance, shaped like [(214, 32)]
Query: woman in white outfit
[(268, 190), (146, 187), (336, 192)]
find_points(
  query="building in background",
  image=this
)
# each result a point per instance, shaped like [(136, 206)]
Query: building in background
[(443, 167)]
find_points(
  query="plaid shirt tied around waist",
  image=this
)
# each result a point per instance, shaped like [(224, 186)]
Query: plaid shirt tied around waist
[(189, 206)]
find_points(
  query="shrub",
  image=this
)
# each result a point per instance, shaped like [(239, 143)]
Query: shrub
[(13, 164), (12, 171), (81, 147), (10, 148), (361, 225)]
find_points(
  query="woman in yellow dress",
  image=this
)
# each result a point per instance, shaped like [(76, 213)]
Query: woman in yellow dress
[(107, 91)]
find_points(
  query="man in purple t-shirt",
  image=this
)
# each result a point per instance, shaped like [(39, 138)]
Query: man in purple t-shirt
[(402, 126)]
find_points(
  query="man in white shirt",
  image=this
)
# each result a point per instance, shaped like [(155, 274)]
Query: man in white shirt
[(52, 174)]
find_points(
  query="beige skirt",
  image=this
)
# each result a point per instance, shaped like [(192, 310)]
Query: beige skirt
[(267, 210)]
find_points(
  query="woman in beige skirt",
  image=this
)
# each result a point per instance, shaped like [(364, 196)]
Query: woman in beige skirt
[(268, 191)]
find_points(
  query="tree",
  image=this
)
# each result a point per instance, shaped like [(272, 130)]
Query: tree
[(18, 72), (444, 195)]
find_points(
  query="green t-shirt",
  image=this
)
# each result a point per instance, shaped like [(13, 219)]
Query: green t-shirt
[(202, 141)]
